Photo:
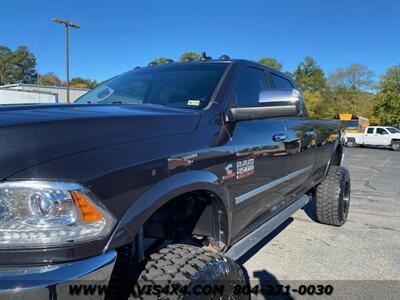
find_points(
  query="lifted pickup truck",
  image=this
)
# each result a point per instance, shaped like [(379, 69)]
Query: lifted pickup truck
[(375, 136), (164, 174)]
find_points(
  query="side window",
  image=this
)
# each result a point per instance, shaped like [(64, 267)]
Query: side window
[(251, 82), (280, 82), (381, 131), (370, 130)]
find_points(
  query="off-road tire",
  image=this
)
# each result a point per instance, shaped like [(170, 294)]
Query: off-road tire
[(189, 266), (395, 146), (333, 197)]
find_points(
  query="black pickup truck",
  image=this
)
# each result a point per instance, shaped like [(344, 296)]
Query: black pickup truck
[(164, 174)]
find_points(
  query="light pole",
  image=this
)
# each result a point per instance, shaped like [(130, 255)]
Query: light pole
[(67, 25)]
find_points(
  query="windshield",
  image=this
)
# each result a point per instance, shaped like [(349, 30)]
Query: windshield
[(350, 124), (393, 130), (184, 85)]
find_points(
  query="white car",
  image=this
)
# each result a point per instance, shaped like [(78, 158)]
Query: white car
[(375, 136)]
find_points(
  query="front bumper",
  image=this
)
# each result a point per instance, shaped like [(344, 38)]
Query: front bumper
[(55, 281)]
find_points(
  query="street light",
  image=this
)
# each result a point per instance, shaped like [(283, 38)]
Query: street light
[(67, 25)]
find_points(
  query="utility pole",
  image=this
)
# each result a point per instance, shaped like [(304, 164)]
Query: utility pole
[(67, 25), (67, 53)]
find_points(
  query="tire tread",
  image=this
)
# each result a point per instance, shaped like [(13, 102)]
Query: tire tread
[(176, 258), (328, 210)]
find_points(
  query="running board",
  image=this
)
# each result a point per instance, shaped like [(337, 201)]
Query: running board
[(245, 244)]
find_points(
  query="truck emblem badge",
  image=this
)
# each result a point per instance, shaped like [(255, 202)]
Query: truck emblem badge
[(229, 172), (229, 169), (244, 168)]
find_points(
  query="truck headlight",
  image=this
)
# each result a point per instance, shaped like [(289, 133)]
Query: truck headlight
[(45, 213)]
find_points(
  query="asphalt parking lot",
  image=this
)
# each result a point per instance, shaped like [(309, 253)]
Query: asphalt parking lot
[(363, 253)]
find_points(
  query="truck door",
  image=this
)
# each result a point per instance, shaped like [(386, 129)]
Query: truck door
[(300, 145), (369, 136), (382, 137), (260, 157)]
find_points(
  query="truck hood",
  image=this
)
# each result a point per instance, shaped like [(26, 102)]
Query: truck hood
[(31, 135)]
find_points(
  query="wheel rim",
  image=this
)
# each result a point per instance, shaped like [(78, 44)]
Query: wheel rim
[(350, 144), (346, 197), (396, 146)]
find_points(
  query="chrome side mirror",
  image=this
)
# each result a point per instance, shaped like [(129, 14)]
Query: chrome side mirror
[(280, 97), (271, 103)]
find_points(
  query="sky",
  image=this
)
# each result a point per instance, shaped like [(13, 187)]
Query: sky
[(118, 35)]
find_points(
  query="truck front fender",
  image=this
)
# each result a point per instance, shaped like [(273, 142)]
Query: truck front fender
[(158, 195)]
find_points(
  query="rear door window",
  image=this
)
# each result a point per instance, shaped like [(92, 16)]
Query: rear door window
[(280, 82), (370, 130)]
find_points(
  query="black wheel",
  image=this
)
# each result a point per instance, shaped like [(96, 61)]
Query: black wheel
[(193, 269), (333, 197), (351, 143), (395, 146)]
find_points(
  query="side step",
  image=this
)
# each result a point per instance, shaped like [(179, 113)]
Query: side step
[(245, 244)]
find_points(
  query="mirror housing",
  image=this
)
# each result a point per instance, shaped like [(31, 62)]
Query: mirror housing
[(271, 103)]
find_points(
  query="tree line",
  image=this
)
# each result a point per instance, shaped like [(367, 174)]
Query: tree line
[(19, 66), (351, 89)]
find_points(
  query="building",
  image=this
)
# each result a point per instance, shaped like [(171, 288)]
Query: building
[(59, 92), (11, 97)]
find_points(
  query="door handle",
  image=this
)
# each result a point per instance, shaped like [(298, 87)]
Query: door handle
[(279, 137)]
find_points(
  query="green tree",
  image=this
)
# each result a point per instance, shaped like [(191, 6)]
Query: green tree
[(310, 77), (190, 55), (345, 100), (161, 60), (5, 65), (355, 77), (79, 82), (386, 103), (312, 82), (350, 88), (270, 62), (318, 105), (49, 79), (23, 64)]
